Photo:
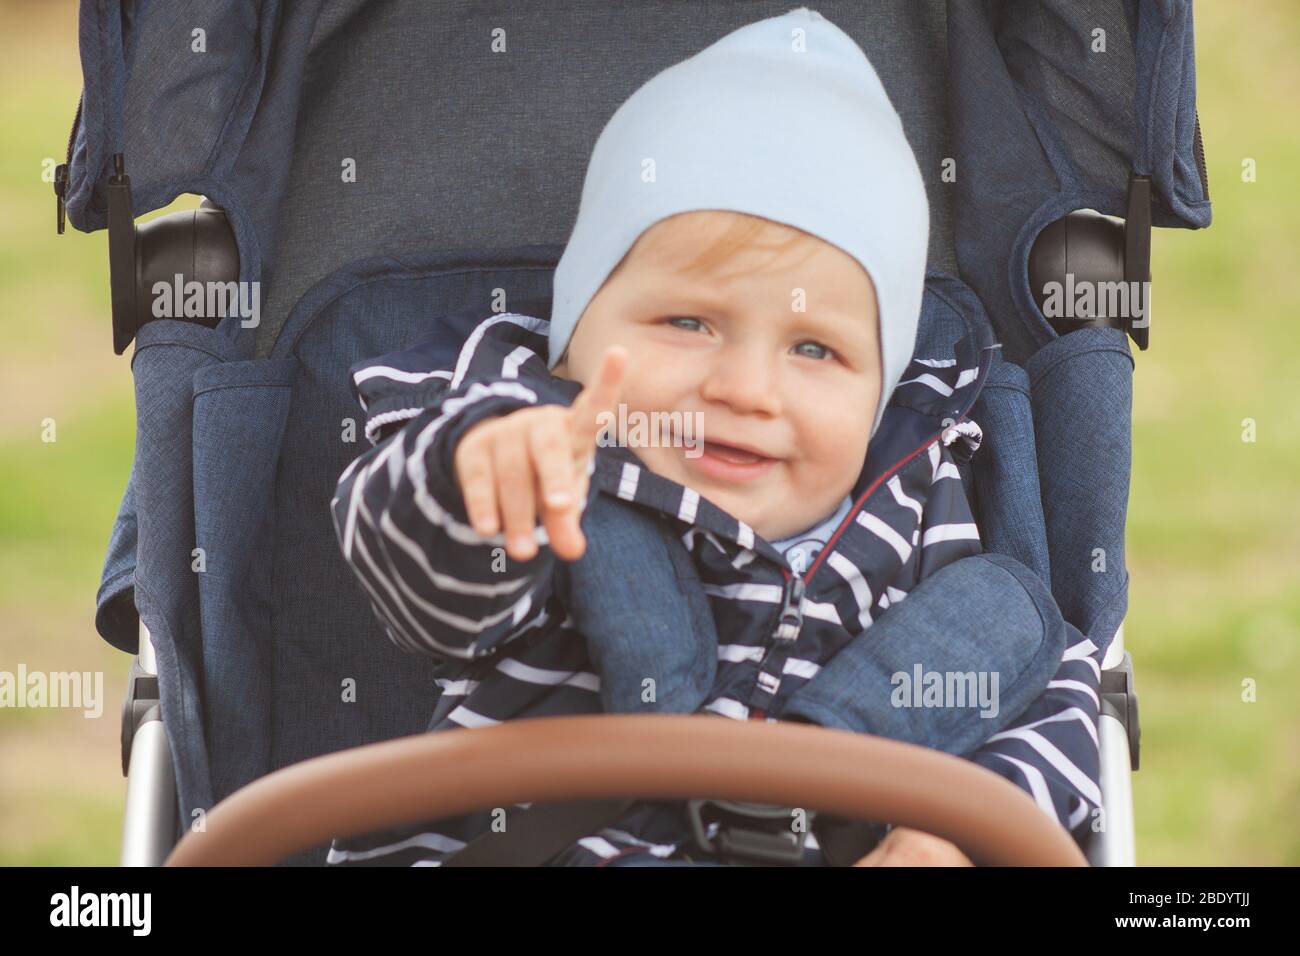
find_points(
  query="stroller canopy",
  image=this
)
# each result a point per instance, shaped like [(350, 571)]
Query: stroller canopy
[(467, 127)]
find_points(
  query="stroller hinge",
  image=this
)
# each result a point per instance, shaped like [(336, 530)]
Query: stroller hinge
[(1092, 269), (140, 706), (1119, 699)]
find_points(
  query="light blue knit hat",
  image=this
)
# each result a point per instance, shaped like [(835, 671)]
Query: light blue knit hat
[(784, 119)]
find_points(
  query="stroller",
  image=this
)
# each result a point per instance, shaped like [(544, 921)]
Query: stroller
[(375, 170)]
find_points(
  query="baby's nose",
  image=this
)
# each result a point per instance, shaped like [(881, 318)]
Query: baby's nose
[(745, 383)]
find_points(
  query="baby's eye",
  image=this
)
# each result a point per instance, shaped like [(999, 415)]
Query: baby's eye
[(813, 350), (686, 322)]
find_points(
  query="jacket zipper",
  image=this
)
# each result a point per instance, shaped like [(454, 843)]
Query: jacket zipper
[(61, 172), (862, 499), (790, 623), (791, 620), (1198, 151), (795, 584), (986, 361)]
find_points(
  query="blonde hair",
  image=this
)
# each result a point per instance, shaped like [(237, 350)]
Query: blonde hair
[(740, 231)]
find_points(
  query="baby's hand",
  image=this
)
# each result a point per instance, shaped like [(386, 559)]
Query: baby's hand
[(506, 465), (904, 847)]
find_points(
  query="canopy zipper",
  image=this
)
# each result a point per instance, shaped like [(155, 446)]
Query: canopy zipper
[(61, 172), (1198, 151)]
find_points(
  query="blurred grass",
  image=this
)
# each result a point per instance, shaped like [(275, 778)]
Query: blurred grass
[(1214, 542), (61, 789)]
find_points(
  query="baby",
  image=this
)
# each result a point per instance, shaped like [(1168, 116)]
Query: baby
[(786, 399), (750, 254)]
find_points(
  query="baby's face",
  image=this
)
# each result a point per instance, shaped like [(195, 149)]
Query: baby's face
[(779, 356)]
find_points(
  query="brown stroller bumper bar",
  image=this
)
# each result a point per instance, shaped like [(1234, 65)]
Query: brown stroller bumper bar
[(437, 775)]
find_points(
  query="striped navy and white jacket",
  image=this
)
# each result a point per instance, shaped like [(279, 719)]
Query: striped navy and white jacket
[(509, 650)]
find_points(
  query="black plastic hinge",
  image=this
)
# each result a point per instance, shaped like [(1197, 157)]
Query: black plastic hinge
[(1119, 699), (140, 706)]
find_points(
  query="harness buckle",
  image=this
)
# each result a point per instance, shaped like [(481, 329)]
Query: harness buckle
[(748, 832)]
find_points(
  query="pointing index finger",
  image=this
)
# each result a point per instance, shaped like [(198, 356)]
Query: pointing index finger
[(600, 395)]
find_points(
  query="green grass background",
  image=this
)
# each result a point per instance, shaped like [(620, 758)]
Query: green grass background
[(1214, 533)]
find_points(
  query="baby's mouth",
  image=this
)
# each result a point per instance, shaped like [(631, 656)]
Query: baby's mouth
[(732, 454), (729, 463)]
